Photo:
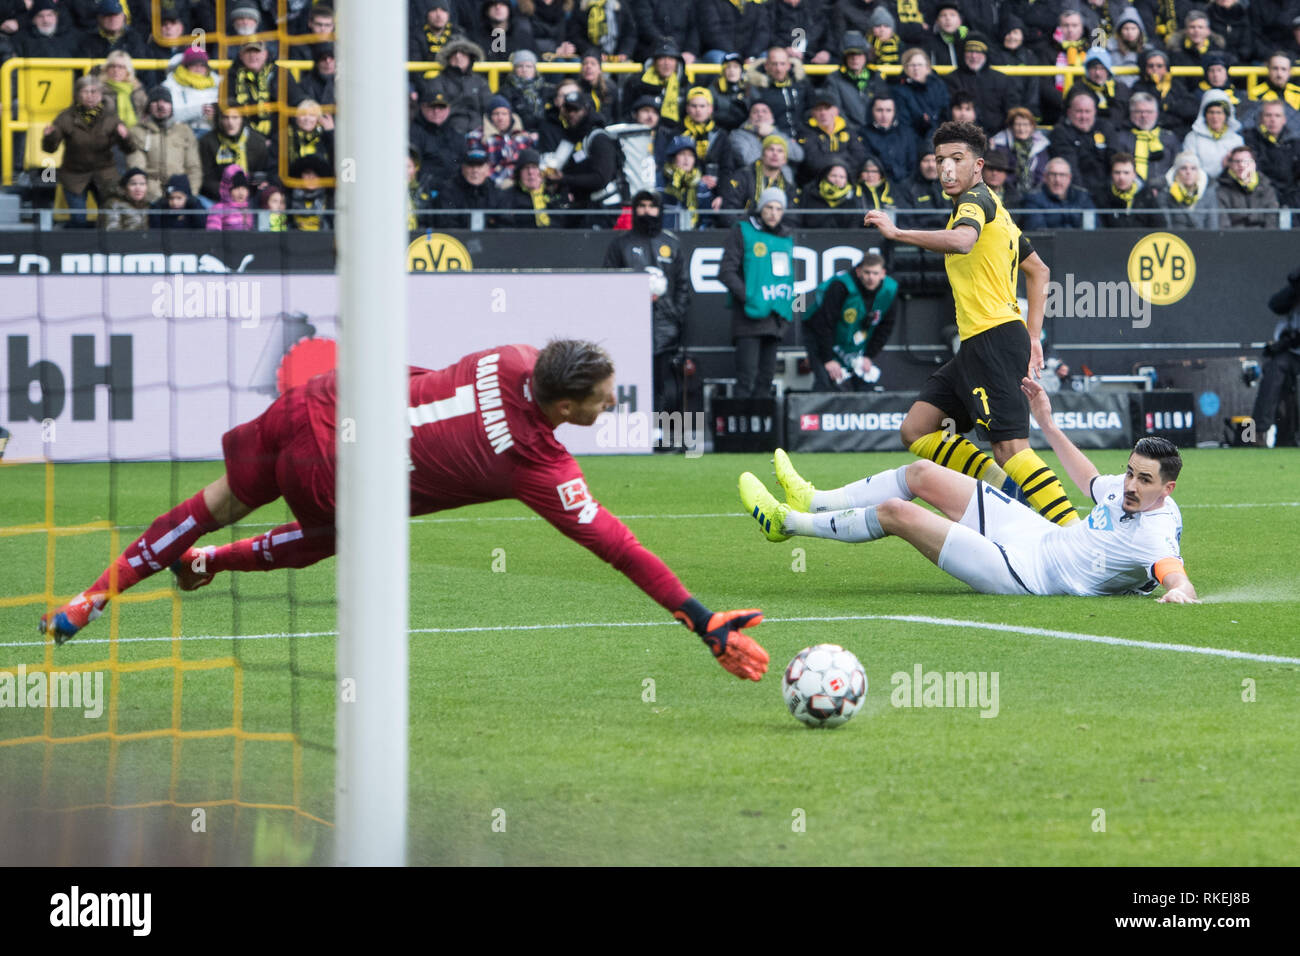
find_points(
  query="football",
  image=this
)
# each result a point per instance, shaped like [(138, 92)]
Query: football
[(824, 685)]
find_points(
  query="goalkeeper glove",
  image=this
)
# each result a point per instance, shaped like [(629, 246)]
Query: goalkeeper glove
[(735, 651)]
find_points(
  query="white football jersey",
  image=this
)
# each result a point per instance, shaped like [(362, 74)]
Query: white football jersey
[(1111, 551)]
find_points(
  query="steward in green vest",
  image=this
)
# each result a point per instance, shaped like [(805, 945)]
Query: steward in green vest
[(758, 270), (849, 326)]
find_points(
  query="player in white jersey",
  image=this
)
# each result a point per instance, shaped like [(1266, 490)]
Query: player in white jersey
[(1128, 544)]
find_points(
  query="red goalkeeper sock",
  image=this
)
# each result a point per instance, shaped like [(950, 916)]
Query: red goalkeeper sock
[(166, 539), (287, 546)]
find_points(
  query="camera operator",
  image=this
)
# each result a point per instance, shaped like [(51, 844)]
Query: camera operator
[(1281, 364)]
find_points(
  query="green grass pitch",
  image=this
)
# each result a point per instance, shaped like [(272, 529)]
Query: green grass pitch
[(558, 716)]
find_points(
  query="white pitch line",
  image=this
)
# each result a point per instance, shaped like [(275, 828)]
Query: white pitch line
[(903, 618)]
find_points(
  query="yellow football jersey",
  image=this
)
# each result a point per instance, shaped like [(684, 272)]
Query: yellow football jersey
[(984, 280)]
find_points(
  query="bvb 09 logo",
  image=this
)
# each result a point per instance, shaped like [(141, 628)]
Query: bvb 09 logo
[(1161, 268), (437, 252)]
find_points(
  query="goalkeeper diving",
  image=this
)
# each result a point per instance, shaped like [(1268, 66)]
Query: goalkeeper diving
[(1128, 544), (482, 429)]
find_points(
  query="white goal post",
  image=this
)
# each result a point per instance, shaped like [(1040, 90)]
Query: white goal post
[(371, 735)]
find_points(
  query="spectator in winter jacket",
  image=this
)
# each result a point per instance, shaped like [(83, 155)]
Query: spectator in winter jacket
[(43, 36), (852, 83), (1215, 69), (1015, 52), (802, 27), (1112, 97), (503, 137), (525, 90), (743, 26), (1277, 85), (1153, 148), (876, 189), (163, 147), (780, 82), (1188, 200), (1125, 191), (826, 136), (888, 140), (177, 208), (253, 83), (1244, 196), (747, 141), (748, 183), (1215, 134), (434, 138), (500, 31), (471, 189), (307, 136), (663, 78), (929, 204), (886, 48), (1025, 146), (589, 176), (1178, 107), (730, 99), (948, 35), (1051, 205), (310, 200), (685, 193), (110, 33), (129, 210), (1081, 140), (122, 88), (231, 142), (921, 96), (432, 32), (600, 86), (1230, 19), (660, 21), (1127, 43), (1277, 151), (466, 91), (993, 93), (195, 91), (711, 143), (1190, 45), (834, 198), (318, 83), (997, 167), (606, 26), (552, 27), (231, 213), (89, 129), (527, 204)]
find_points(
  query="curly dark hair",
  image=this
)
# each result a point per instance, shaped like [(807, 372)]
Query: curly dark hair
[(569, 368), (966, 133)]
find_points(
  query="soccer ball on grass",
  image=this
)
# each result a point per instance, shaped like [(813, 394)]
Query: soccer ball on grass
[(824, 685)]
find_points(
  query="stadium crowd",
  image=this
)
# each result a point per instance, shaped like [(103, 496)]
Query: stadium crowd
[(556, 150)]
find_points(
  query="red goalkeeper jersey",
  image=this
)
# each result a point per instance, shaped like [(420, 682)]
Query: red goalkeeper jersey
[(477, 434)]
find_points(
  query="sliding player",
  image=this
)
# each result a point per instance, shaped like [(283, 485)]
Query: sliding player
[(1128, 544), (982, 250), (480, 430)]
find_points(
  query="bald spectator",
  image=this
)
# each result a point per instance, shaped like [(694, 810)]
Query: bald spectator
[(1080, 139), (1054, 204)]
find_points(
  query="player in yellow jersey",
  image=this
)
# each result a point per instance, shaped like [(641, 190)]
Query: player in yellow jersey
[(980, 387)]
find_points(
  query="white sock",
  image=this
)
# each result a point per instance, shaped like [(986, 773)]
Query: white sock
[(864, 493), (852, 525)]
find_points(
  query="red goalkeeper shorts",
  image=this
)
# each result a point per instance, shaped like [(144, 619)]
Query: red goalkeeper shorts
[(277, 455)]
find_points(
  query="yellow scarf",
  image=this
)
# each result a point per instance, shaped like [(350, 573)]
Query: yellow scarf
[(1127, 195), (232, 150), (886, 50), (597, 23), (837, 136), (1105, 92), (762, 182), (1146, 144), (195, 81), (880, 195), (1269, 137), (834, 195), (682, 184), (538, 196), (1262, 91), (1197, 48), (87, 115), (1250, 184), (1204, 85), (1184, 197), (1166, 18), (701, 136), (1163, 86), (436, 41), (670, 108), (122, 97)]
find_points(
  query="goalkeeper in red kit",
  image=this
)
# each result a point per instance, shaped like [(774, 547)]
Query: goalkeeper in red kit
[(482, 429)]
